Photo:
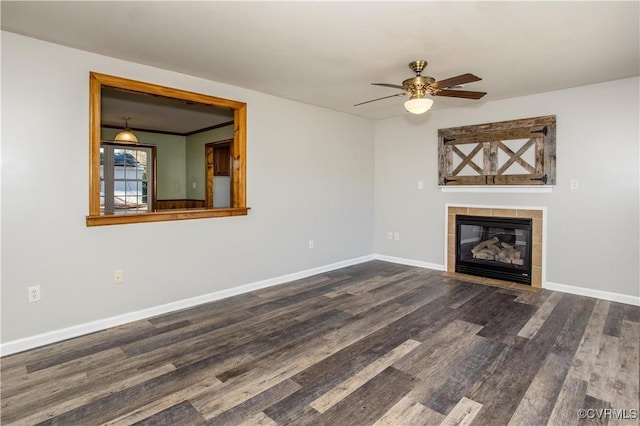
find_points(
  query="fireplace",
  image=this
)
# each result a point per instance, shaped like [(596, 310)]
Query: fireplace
[(494, 247)]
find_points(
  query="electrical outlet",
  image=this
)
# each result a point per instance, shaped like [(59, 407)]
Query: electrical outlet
[(420, 184), (389, 235), (396, 236), (311, 244), (34, 293), (574, 184), (118, 277)]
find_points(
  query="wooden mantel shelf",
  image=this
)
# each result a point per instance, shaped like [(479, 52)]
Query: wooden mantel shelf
[(512, 189)]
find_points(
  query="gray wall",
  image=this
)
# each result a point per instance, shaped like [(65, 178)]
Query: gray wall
[(592, 232), (309, 176)]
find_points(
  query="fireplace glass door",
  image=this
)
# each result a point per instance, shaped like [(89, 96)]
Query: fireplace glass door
[(494, 247)]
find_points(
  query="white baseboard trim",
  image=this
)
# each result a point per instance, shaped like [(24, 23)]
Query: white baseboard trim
[(580, 291), (409, 262), (598, 294), (27, 343)]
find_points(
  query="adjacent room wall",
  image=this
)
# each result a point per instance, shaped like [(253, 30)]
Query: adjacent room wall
[(309, 176), (172, 164), (592, 232), (196, 162)]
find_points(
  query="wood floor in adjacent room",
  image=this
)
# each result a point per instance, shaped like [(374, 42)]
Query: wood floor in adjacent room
[(374, 343)]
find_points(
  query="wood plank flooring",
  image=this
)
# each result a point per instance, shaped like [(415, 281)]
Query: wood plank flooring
[(371, 344)]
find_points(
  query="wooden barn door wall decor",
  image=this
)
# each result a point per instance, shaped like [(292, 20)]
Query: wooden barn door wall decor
[(516, 152)]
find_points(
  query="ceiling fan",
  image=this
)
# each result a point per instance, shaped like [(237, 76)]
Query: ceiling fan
[(421, 86)]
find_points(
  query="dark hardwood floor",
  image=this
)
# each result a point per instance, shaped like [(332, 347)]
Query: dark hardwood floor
[(375, 343)]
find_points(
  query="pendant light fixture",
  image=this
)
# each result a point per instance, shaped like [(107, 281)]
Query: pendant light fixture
[(126, 136)]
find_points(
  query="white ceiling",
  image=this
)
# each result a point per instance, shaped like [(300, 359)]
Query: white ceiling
[(328, 53)]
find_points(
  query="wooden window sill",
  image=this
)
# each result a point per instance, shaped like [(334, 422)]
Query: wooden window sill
[(166, 215)]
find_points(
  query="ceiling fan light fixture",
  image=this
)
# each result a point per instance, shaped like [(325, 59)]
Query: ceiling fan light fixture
[(418, 105), (126, 136), (420, 86)]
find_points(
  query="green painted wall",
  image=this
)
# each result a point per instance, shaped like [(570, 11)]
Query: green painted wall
[(196, 163), (181, 160), (171, 162)]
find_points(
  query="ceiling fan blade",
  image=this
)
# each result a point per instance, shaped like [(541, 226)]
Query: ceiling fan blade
[(395, 86), (379, 99), (454, 81), (460, 94)]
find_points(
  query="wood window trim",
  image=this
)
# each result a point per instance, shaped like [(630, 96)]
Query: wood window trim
[(238, 166), (488, 139), (165, 216)]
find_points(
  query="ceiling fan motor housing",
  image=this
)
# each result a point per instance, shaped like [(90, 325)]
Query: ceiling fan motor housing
[(418, 86)]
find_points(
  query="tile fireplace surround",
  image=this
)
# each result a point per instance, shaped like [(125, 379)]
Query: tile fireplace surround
[(537, 214)]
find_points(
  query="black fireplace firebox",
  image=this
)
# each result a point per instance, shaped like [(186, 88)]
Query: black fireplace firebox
[(494, 247)]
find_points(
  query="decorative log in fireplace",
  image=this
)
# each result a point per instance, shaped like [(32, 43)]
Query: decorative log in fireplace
[(494, 247)]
